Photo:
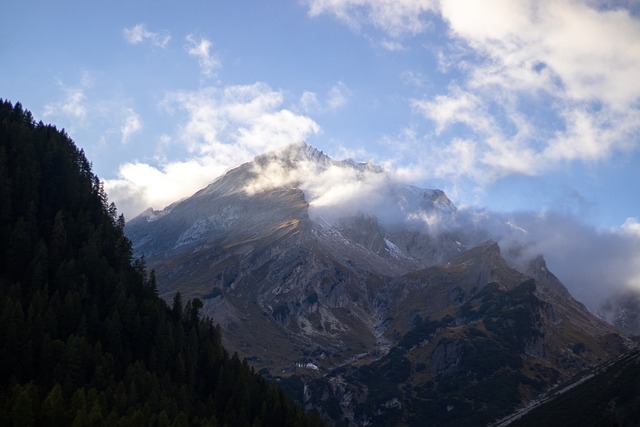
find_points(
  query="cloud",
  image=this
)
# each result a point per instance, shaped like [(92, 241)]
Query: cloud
[(595, 265), (309, 102), (392, 45), (585, 53), (532, 85), (333, 189), (479, 144), (201, 49), (238, 118), (396, 17), (74, 104), (222, 127), (457, 107), (631, 227), (139, 34), (576, 52), (574, 62), (131, 124), (413, 78), (80, 109), (73, 108), (141, 185), (336, 98)]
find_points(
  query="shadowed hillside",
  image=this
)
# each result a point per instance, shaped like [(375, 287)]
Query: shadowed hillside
[(85, 340)]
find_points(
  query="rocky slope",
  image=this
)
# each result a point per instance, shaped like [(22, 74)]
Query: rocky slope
[(404, 317)]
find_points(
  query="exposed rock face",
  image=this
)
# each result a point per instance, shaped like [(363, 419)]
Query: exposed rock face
[(394, 315)]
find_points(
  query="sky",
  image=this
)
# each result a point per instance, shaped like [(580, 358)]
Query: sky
[(527, 109)]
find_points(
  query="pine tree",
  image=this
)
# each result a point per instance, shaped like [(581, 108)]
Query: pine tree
[(85, 338)]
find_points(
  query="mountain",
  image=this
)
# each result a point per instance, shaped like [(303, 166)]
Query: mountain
[(84, 338), (362, 296), (272, 272)]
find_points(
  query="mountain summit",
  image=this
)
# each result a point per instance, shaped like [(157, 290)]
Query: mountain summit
[(342, 202), (356, 291), (333, 188)]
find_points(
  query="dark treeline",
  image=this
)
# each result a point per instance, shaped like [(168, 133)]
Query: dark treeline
[(84, 338)]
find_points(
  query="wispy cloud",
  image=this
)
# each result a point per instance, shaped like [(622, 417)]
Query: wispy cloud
[(201, 49), (139, 34), (414, 78), (73, 105), (73, 108), (131, 125), (336, 98), (222, 127), (82, 106), (396, 17), (392, 45), (596, 265)]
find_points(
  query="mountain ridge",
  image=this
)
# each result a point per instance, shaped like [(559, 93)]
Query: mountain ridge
[(362, 275)]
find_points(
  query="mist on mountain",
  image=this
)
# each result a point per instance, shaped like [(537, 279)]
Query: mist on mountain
[(396, 295), (596, 265)]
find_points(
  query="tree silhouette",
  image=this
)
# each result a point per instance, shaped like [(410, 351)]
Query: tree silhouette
[(84, 338)]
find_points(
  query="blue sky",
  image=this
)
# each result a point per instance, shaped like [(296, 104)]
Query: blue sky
[(528, 105), (527, 112)]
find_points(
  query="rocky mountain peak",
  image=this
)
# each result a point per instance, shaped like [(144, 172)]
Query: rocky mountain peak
[(294, 153), (302, 258)]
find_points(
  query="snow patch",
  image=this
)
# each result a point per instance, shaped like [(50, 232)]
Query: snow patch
[(203, 226), (394, 251)]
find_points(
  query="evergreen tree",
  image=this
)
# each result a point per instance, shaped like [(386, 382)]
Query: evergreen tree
[(84, 338)]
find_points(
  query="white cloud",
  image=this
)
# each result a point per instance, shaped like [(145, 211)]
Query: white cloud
[(413, 78), (140, 185), (132, 124), (631, 227), (337, 189), (594, 264), (139, 34), (396, 17), (576, 63), (74, 107), (223, 127), (392, 45), (201, 49), (236, 118), (81, 109), (532, 84), (486, 151), (336, 98), (585, 53), (457, 107), (309, 102)]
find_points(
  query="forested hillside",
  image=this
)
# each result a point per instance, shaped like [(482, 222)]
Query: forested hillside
[(84, 339)]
